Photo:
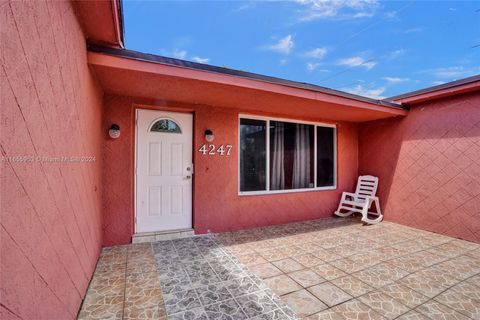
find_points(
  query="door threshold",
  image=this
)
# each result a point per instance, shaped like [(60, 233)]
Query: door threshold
[(162, 235)]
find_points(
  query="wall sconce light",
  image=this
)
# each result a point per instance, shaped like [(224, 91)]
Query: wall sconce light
[(114, 131), (209, 135)]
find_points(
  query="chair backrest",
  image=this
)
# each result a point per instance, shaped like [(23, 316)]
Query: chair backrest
[(366, 186)]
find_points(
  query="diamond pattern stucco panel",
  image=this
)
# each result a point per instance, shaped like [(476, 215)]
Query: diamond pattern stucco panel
[(429, 165)]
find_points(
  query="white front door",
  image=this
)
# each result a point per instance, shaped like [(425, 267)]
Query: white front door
[(164, 171)]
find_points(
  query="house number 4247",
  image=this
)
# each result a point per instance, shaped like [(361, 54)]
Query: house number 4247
[(211, 149)]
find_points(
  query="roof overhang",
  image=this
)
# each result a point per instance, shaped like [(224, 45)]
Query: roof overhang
[(144, 78), (101, 21), (449, 89)]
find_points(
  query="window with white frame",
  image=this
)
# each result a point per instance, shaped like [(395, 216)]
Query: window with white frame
[(284, 156)]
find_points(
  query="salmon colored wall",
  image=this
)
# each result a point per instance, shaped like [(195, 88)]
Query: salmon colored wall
[(429, 165), (50, 212), (217, 207), (118, 165)]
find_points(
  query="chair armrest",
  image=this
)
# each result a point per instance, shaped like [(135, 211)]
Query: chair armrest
[(371, 199), (348, 194)]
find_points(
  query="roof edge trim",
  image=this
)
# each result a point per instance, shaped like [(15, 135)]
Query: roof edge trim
[(118, 21), (449, 88), (152, 58)]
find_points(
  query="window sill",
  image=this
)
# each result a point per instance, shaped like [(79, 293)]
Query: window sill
[(269, 192)]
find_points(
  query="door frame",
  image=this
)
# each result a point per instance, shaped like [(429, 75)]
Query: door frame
[(136, 109)]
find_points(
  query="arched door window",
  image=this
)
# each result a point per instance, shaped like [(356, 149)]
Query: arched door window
[(165, 125)]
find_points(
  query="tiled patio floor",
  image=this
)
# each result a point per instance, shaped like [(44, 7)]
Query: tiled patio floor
[(322, 269)]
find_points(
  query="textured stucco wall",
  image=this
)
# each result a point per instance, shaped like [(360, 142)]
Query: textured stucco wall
[(429, 165), (217, 206), (50, 212)]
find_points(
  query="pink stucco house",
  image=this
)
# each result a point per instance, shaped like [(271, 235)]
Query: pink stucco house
[(68, 188)]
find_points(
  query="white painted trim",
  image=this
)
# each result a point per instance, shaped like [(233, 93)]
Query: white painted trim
[(256, 193), (135, 161), (315, 158), (238, 154), (335, 157), (257, 117), (267, 157), (267, 173)]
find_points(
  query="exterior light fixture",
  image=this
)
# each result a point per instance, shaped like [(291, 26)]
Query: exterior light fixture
[(209, 135), (114, 131)]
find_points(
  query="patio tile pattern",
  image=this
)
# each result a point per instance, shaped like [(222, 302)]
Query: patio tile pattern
[(125, 285), (329, 269), (190, 278), (352, 271), (329, 293), (282, 284), (352, 285), (304, 303), (306, 277), (384, 304)]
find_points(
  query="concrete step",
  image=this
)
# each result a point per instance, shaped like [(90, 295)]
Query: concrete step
[(162, 235)]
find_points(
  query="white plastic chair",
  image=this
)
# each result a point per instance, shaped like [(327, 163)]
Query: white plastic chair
[(362, 200)]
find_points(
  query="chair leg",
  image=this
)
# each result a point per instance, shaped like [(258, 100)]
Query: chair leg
[(377, 205), (365, 212), (340, 213)]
